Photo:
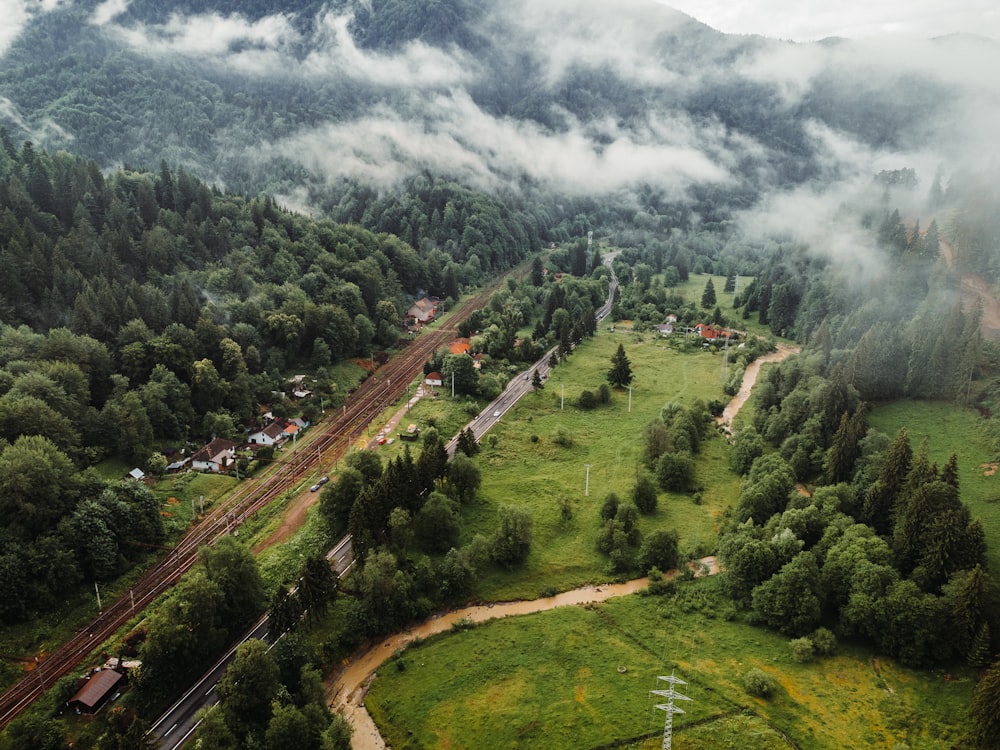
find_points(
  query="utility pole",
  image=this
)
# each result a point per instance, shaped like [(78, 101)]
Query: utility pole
[(586, 484), (562, 399), (669, 708), (100, 609), (630, 399)]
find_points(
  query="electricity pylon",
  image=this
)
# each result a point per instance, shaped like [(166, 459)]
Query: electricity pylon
[(671, 695)]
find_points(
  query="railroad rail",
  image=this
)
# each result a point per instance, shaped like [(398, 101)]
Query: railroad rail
[(368, 400)]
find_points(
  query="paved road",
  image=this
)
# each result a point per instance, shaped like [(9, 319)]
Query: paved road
[(521, 384), (181, 720)]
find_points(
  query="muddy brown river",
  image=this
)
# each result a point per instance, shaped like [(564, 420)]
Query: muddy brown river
[(346, 688)]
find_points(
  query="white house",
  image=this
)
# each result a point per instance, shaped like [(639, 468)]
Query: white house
[(433, 378), (216, 456), (269, 435)]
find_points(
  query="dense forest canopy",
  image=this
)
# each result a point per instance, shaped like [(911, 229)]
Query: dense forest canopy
[(187, 219)]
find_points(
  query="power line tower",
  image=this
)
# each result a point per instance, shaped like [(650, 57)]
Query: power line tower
[(669, 708)]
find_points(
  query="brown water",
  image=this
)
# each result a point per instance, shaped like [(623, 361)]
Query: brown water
[(346, 688), (749, 378)]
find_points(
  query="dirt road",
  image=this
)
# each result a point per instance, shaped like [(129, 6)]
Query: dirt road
[(346, 689), (976, 290)]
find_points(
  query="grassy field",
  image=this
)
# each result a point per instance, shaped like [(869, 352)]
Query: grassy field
[(523, 464), (694, 287), (948, 429), (555, 679)]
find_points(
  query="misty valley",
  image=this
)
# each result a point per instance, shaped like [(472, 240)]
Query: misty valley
[(329, 318)]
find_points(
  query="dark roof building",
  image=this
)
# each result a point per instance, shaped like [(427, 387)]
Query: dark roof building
[(96, 691)]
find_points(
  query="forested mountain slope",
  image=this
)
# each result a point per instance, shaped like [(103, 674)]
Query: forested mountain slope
[(634, 101)]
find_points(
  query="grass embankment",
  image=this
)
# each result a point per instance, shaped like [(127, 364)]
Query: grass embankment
[(554, 679)]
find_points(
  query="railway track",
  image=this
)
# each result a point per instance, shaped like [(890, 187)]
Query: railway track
[(335, 436)]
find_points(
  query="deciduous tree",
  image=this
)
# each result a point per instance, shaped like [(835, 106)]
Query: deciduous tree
[(511, 542)]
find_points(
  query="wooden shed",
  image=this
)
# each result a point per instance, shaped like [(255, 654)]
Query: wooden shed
[(95, 691)]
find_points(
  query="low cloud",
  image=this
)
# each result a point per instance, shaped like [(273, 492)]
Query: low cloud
[(47, 132), (271, 45), (454, 136), (823, 218), (209, 35), (417, 65), (854, 19), (625, 36), (108, 11), (17, 13)]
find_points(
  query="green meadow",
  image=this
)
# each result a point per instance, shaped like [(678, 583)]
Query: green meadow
[(538, 457), (581, 677)]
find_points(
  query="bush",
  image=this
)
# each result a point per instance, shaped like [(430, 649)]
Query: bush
[(824, 641), (603, 393), (563, 438), (610, 508), (759, 683), (660, 585), (659, 551), (511, 542), (802, 650), (587, 400)]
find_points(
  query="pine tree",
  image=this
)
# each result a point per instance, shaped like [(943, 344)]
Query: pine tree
[(985, 710), (881, 496), (981, 647), (949, 474), (842, 453), (620, 374), (708, 296), (536, 381), (537, 272)]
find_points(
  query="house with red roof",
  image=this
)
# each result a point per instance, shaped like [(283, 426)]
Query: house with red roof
[(711, 332), (422, 311)]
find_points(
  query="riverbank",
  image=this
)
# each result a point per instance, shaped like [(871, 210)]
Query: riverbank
[(749, 378), (346, 689)]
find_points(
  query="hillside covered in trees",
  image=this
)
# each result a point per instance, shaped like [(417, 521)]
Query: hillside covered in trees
[(187, 220)]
